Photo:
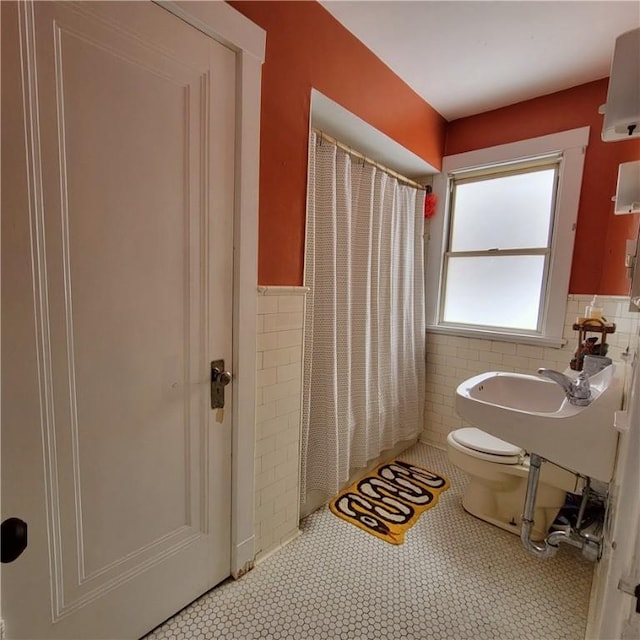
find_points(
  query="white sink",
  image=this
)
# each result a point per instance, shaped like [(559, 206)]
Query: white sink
[(533, 412)]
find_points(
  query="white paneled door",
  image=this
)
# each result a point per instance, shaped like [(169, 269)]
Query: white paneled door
[(117, 249)]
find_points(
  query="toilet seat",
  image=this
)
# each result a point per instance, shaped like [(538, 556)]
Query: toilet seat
[(479, 444)]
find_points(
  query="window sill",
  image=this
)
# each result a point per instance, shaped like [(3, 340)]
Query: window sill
[(498, 336)]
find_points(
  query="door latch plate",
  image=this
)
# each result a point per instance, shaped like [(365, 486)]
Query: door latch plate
[(219, 380)]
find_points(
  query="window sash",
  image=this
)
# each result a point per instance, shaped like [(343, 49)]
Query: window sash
[(546, 253), (529, 165), (489, 172)]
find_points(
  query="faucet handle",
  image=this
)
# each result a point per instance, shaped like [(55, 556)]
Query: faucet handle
[(582, 387)]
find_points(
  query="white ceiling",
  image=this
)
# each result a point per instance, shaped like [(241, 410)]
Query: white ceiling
[(466, 57)]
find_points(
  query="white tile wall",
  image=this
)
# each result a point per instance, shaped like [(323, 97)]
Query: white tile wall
[(450, 360), (453, 359), (279, 385)]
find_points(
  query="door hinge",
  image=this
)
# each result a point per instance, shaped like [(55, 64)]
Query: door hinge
[(629, 586)]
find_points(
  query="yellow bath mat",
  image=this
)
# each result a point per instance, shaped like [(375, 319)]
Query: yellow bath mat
[(390, 500)]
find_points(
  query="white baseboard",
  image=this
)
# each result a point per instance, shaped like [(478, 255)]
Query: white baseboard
[(431, 443), (290, 538)]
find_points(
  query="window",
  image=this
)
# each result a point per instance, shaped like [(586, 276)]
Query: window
[(500, 246)]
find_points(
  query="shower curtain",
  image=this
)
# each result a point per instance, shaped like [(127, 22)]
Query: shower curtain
[(364, 353)]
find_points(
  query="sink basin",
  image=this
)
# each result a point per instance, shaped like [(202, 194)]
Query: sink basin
[(533, 412)]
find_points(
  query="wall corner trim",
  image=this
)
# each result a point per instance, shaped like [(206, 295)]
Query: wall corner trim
[(242, 557)]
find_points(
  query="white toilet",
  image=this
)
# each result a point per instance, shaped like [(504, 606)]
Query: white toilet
[(497, 486)]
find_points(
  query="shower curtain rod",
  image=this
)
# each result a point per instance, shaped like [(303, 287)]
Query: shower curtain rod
[(357, 154)]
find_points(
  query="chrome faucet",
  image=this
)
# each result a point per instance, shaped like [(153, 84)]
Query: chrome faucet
[(578, 392)]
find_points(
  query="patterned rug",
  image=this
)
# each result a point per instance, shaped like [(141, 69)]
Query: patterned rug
[(390, 500)]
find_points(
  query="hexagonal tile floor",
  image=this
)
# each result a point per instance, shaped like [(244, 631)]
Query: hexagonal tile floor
[(455, 577)]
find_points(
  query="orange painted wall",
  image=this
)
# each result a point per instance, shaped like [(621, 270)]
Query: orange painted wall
[(598, 257), (307, 48)]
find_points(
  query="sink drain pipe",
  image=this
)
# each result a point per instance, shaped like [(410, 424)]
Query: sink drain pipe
[(549, 546)]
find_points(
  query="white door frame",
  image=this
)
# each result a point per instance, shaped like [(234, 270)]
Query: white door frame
[(223, 23)]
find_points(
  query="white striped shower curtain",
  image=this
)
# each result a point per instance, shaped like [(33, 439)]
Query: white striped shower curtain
[(364, 355)]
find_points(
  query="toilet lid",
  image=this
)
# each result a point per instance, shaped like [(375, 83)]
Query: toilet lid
[(477, 440)]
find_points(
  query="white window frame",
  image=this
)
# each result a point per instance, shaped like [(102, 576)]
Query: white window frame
[(571, 146)]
